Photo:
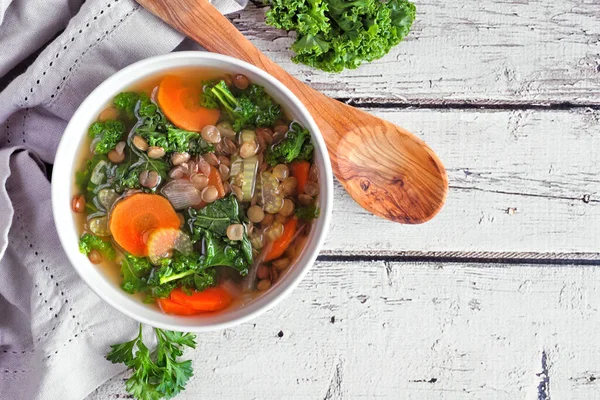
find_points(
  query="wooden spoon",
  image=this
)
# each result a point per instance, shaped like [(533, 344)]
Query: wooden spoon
[(386, 169)]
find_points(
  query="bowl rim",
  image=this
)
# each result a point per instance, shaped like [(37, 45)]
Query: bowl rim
[(62, 183)]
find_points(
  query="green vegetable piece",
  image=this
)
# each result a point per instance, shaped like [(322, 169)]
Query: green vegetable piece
[(296, 146), (106, 135), (209, 224), (308, 213), (156, 374), (89, 242), (217, 216), (134, 271), (335, 34), (250, 108), (126, 102)]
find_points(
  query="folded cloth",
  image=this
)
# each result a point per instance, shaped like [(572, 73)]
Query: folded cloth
[(54, 331)]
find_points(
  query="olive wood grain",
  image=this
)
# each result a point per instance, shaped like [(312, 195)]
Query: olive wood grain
[(386, 169)]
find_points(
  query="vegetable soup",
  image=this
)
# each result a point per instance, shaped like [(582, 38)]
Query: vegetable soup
[(196, 190)]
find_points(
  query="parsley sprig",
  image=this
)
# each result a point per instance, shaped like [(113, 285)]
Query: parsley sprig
[(156, 374)]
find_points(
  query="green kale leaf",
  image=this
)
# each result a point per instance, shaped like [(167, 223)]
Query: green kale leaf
[(335, 34), (89, 242), (209, 225), (308, 213), (105, 135), (297, 145), (126, 102), (135, 271), (248, 108)]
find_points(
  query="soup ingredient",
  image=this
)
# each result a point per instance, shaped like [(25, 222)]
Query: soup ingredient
[(117, 155), (181, 105), (134, 217), (99, 226), (235, 232), (295, 146), (281, 263), (251, 108), (280, 245), (182, 194), (159, 373), (106, 135), (287, 209), (134, 270), (209, 194), (332, 34), (210, 224), (126, 103), (241, 81), (243, 173), (139, 142), (78, 203), (161, 243), (300, 171), (255, 214), (89, 242), (217, 217), (308, 213), (95, 257), (127, 175), (149, 179), (214, 179), (211, 134), (263, 285), (107, 198), (186, 271), (168, 306), (211, 299)]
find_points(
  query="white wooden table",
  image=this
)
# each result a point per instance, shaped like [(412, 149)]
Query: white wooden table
[(496, 298)]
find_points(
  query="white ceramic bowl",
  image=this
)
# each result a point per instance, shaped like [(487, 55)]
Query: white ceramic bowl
[(63, 189)]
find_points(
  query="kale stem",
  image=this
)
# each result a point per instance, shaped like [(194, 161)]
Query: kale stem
[(180, 275)]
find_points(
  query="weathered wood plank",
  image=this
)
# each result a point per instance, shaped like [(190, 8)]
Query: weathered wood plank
[(411, 331), (497, 51), (521, 181)]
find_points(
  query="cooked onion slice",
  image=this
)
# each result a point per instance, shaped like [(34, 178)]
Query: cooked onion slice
[(182, 194)]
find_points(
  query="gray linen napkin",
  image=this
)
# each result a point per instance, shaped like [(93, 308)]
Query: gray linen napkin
[(54, 331)]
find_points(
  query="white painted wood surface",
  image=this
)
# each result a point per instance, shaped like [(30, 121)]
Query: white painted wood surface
[(411, 331), (478, 51), (368, 322)]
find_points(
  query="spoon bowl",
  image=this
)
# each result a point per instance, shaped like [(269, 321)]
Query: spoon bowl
[(386, 169)]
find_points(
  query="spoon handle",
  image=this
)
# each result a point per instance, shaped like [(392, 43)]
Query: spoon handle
[(197, 20)]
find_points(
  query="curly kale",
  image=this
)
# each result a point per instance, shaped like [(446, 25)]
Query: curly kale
[(209, 225), (296, 146), (89, 242), (308, 213), (134, 271), (126, 102), (158, 131), (248, 108), (185, 271), (337, 34), (106, 135)]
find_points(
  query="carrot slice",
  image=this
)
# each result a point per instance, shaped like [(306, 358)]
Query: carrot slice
[(214, 178), (168, 306), (210, 299), (279, 246), (180, 102), (300, 170), (134, 217)]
